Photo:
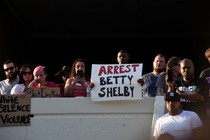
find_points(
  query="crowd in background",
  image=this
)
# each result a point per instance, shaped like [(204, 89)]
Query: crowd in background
[(174, 79)]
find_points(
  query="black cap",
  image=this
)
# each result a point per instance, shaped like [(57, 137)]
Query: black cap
[(64, 70), (172, 96)]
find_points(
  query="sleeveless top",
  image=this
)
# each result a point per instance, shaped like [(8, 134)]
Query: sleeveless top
[(79, 90)]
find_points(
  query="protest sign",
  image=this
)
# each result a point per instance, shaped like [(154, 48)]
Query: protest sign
[(116, 82), (15, 110)]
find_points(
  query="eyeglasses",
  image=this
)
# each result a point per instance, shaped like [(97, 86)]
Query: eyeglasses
[(25, 73), (10, 68)]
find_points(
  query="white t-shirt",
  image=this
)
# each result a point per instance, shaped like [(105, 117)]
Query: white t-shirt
[(6, 86), (179, 126)]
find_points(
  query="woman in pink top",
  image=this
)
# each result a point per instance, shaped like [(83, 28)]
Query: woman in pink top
[(78, 82), (40, 76)]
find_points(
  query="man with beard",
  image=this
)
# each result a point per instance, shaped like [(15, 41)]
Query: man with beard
[(11, 72), (192, 90), (148, 81)]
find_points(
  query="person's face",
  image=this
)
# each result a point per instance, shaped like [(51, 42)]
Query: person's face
[(177, 70), (27, 75), (80, 66), (10, 70), (187, 70), (207, 55), (40, 77), (208, 58), (173, 107), (159, 64), (122, 58)]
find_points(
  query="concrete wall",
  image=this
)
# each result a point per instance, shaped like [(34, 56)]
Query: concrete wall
[(81, 119)]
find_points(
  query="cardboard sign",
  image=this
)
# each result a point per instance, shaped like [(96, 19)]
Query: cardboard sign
[(116, 82), (15, 110), (44, 92)]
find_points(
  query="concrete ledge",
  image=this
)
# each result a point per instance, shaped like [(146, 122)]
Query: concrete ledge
[(81, 119)]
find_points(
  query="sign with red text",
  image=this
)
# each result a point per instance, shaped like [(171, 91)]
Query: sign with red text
[(116, 82)]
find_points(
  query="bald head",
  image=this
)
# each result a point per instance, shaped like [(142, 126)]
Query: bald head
[(187, 69)]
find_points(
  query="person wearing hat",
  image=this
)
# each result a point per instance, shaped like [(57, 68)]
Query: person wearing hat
[(180, 124)]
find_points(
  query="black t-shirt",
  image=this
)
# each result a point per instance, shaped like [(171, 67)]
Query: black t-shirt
[(198, 85), (206, 74)]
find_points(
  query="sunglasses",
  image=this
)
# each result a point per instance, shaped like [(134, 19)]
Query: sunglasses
[(25, 73), (10, 68)]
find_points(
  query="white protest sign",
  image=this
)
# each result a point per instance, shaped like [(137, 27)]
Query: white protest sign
[(116, 82)]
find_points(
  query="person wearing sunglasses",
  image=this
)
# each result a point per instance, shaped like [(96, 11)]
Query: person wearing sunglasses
[(26, 77), (11, 72), (172, 64)]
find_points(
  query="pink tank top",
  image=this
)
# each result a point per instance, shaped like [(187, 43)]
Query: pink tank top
[(79, 90), (49, 84)]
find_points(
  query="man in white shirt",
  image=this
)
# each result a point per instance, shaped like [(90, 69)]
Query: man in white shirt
[(180, 124), (11, 72)]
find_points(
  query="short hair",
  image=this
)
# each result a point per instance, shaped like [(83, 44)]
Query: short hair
[(160, 55), (123, 51), (38, 69), (9, 61)]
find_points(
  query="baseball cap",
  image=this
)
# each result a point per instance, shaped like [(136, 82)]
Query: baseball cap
[(172, 96)]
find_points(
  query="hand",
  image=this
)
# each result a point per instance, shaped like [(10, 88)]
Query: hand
[(169, 81), (178, 91), (91, 85), (35, 81), (140, 81)]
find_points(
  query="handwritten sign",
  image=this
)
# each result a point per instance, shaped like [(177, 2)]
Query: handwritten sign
[(48, 92), (116, 82), (15, 110)]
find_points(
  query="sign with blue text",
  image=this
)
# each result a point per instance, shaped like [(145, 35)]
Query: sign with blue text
[(116, 82)]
